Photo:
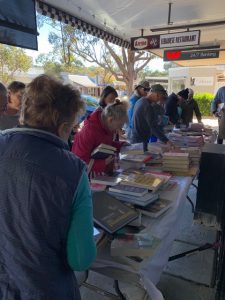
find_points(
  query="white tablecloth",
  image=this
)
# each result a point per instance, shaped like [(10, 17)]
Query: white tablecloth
[(165, 228)]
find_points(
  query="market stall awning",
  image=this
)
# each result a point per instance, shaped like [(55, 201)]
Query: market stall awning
[(118, 21)]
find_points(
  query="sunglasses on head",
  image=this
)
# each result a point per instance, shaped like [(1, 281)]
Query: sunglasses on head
[(146, 89)]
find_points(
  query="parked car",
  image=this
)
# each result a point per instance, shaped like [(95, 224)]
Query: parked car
[(91, 105)]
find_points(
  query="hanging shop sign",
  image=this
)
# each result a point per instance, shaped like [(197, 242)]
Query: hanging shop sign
[(174, 55), (178, 39), (145, 42), (202, 81)]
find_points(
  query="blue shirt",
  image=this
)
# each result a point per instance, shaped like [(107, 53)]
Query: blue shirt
[(219, 98), (134, 98)]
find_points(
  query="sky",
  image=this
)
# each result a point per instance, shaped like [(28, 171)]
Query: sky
[(45, 47)]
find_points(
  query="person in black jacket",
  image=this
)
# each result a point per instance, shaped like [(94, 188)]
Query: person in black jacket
[(145, 123), (173, 103), (189, 108)]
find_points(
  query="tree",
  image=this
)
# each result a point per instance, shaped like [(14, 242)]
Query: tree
[(168, 65), (146, 72), (52, 65), (121, 63), (12, 60)]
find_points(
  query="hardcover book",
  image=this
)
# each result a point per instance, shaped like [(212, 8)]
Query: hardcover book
[(103, 151), (110, 214)]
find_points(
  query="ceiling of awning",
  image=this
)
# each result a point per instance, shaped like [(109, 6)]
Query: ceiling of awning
[(125, 18)]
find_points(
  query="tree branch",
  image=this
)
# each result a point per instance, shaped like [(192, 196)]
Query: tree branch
[(124, 57), (116, 58), (143, 65)]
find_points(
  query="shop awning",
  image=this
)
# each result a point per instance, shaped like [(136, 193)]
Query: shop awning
[(18, 23), (118, 21)]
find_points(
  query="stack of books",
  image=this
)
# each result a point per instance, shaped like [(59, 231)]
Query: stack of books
[(194, 154), (176, 161), (185, 140), (157, 208), (135, 200), (134, 160)]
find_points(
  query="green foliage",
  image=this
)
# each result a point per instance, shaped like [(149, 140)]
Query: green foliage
[(204, 101), (12, 60), (147, 72)]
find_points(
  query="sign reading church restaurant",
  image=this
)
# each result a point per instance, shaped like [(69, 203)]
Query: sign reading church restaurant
[(171, 40)]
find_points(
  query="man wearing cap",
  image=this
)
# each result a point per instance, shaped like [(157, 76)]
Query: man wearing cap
[(140, 91), (144, 119), (173, 103)]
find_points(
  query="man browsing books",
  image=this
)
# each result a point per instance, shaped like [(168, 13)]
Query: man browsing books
[(144, 119)]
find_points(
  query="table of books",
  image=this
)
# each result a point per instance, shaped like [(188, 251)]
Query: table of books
[(165, 228)]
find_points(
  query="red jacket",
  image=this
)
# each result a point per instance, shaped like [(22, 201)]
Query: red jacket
[(92, 134)]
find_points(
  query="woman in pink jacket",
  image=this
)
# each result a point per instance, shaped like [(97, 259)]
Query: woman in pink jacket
[(100, 127)]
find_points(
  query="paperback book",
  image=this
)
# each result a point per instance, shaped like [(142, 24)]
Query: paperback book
[(156, 208), (128, 190), (140, 158), (141, 201)]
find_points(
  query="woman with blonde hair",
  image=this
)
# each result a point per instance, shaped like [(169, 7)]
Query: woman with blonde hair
[(46, 208), (100, 127)]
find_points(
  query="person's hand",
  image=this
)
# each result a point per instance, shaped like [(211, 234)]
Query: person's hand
[(216, 114), (109, 159)]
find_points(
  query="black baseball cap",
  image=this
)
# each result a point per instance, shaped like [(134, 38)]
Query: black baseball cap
[(158, 88), (144, 84)]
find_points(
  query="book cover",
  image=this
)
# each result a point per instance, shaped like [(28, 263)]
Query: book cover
[(101, 153), (147, 181), (106, 180), (163, 175), (128, 190), (156, 208), (110, 214)]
